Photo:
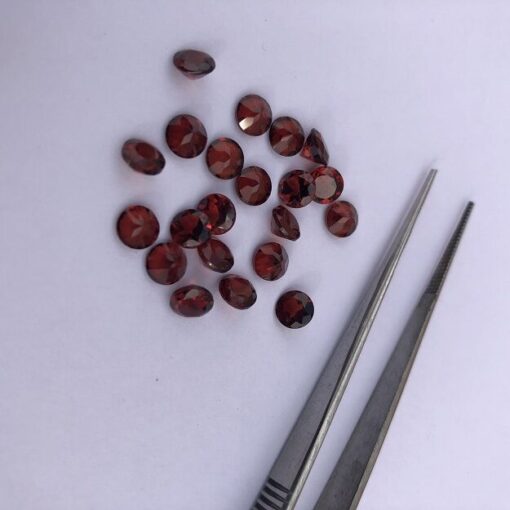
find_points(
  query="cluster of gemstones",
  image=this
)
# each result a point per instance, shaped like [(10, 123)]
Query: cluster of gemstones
[(199, 228)]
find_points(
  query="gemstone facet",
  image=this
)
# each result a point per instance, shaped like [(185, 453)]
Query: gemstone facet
[(138, 227), (253, 114), (224, 158), (186, 136), (270, 261), (341, 218), (294, 309), (237, 291), (142, 157), (190, 228), (329, 184), (284, 223), (315, 149), (296, 188), (220, 210), (166, 263), (216, 256), (254, 185), (191, 301), (194, 64), (286, 136)]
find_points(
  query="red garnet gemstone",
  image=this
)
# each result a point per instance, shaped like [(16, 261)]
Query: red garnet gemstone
[(194, 64), (190, 228), (191, 301), (220, 210), (143, 157), (186, 136), (166, 263), (329, 184), (253, 114), (237, 292), (296, 188), (138, 227), (315, 149), (253, 186), (270, 261), (341, 218), (286, 136), (224, 158), (216, 256), (294, 309), (284, 223)]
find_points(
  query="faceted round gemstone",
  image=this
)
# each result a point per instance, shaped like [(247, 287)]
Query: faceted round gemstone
[(216, 255), (138, 227), (329, 184), (237, 291), (270, 261), (166, 263), (191, 301), (284, 223), (220, 210), (186, 136), (296, 188), (341, 218), (294, 309), (142, 157), (224, 158), (194, 64), (254, 185), (286, 136), (315, 149), (253, 114), (190, 228)]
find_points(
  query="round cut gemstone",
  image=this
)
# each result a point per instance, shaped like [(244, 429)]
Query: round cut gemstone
[(216, 255), (142, 157), (186, 136), (329, 184), (237, 291), (286, 136), (296, 188), (315, 149), (224, 158), (253, 114), (253, 186), (341, 218), (270, 261), (294, 309), (190, 228), (138, 227), (284, 223), (191, 301), (194, 64), (166, 263), (220, 210)]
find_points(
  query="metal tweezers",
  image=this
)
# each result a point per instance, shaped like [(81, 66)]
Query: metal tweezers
[(350, 476)]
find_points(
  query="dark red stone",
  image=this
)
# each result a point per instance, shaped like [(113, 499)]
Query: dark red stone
[(329, 184), (194, 64), (253, 114), (216, 255), (220, 210), (191, 301), (254, 185), (286, 136), (224, 158), (284, 223), (166, 263), (237, 291), (270, 261), (341, 218), (315, 149), (138, 227), (296, 188), (294, 309), (143, 157), (186, 136), (190, 228)]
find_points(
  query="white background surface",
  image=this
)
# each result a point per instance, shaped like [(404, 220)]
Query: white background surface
[(110, 401)]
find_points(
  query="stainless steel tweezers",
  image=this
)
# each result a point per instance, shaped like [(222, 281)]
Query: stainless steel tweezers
[(345, 486)]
